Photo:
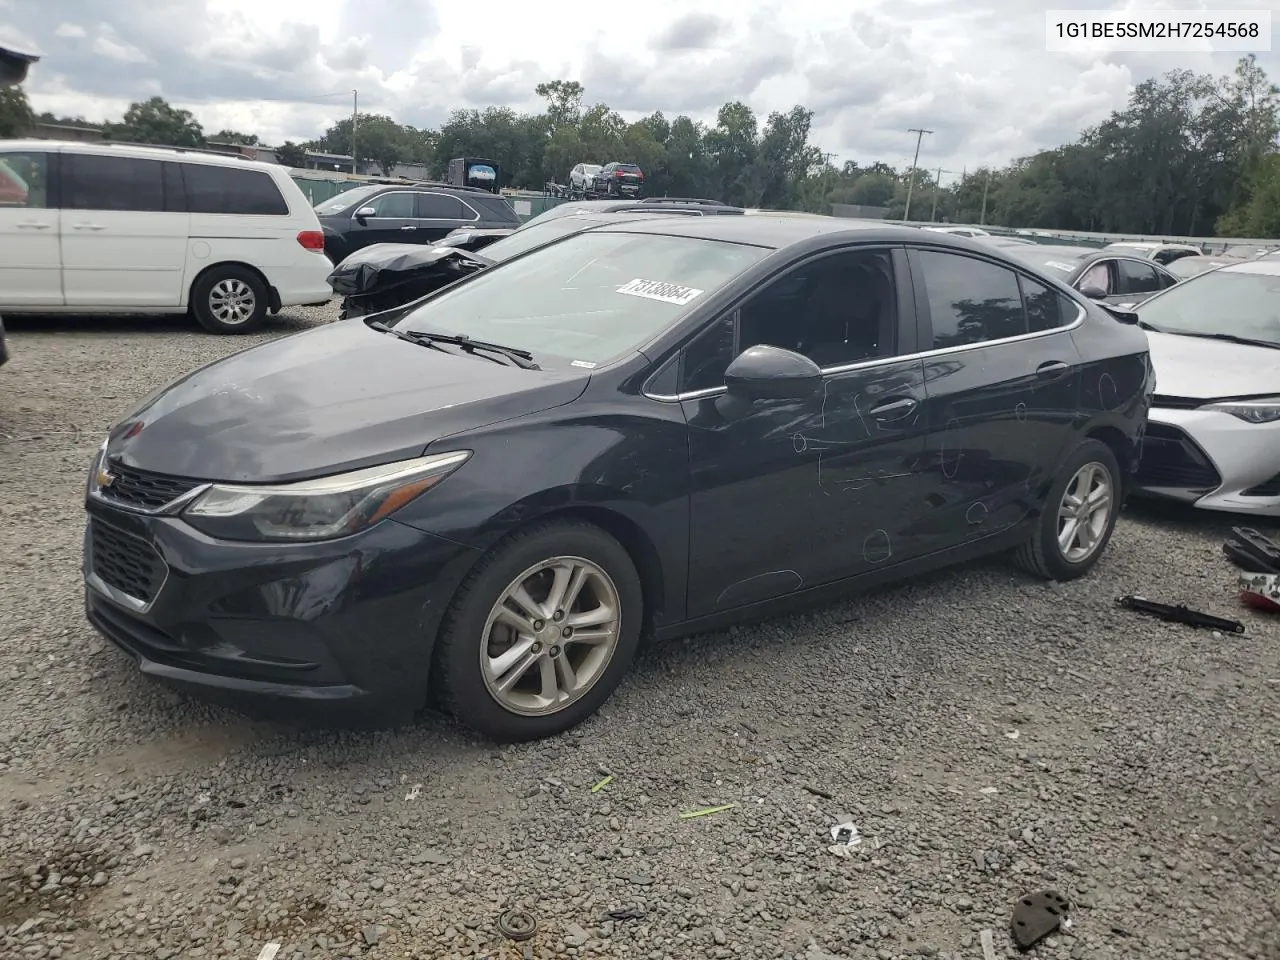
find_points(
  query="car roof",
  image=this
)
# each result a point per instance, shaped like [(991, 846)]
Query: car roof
[(146, 151), (1266, 266), (782, 231)]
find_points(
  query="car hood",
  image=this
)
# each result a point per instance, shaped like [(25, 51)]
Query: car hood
[(336, 398), (1197, 369)]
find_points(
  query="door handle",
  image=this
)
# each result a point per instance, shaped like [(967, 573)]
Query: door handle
[(410, 227), (88, 226), (33, 225), (894, 409), (1052, 369)]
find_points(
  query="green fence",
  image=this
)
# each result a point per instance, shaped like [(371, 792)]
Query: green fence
[(318, 191)]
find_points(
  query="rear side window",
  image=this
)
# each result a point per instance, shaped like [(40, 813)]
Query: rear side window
[(1046, 309), (493, 207), (970, 300), (92, 182), (217, 189)]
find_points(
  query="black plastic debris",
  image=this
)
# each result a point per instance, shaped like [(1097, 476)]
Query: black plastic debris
[(1038, 915), (517, 925), (629, 912), (1252, 551), (1180, 614)]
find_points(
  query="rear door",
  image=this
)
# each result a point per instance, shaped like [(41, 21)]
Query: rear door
[(439, 213), (124, 237), (1002, 389), (30, 258)]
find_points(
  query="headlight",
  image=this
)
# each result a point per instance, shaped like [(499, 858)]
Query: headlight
[(1266, 410), (317, 509), (98, 468)]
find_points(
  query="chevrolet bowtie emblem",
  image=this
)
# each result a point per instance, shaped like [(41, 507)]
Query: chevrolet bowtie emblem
[(104, 478)]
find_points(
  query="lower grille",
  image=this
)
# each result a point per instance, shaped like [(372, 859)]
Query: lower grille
[(125, 562), (1268, 488), (140, 488), (1170, 458)]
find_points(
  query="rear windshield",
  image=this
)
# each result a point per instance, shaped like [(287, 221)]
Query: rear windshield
[(345, 199), (627, 168)]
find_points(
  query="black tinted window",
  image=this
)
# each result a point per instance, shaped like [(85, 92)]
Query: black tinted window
[(1046, 308), (1135, 277), (391, 206), (970, 300), (215, 189), (837, 310), (440, 206), (92, 182), (24, 180)]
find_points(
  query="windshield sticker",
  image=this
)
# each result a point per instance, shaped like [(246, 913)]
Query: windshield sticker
[(657, 290), (584, 363), (1065, 267)]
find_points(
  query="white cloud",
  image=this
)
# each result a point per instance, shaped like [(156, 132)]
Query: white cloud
[(974, 71)]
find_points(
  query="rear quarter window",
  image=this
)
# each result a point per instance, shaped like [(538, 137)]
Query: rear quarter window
[(217, 189)]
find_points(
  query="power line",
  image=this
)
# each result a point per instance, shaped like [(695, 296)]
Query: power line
[(906, 214)]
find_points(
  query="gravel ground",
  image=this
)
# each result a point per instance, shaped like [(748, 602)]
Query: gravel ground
[(990, 736)]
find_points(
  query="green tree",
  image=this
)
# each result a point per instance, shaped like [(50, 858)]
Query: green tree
[(16, 117), (157, 121), (291, 154), (1259, 216), (378, 138), (564, 103), (232, 136)]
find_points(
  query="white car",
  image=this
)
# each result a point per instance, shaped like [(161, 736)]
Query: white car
[(108, 228), (1213, 433), (582, 177), (959, 231), (1161, 253)]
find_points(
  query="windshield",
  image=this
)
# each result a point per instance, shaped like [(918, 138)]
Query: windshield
[(591, 168), (1056, 259), (1224, 301), (589, 298), (343, 200), (536, 235)]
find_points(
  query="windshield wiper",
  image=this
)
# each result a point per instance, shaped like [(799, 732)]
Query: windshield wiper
[(520, 358), (1230, 338), (403, 335)]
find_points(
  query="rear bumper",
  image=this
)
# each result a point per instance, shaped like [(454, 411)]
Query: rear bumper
[(306, 284)]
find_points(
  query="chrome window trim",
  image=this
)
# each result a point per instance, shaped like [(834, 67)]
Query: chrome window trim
[(1081, 313)]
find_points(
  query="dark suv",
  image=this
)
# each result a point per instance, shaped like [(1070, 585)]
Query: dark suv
[(407, 213), (616, 180)]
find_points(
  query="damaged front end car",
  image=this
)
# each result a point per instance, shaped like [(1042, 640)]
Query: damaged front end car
[(385, 276)]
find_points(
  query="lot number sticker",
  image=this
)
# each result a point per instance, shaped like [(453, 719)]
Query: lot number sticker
[(657, 290)]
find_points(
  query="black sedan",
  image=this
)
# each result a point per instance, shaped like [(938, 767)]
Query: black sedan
[(647, 428), (1112, 276)]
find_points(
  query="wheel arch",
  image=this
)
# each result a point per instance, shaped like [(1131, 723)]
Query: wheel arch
[(273, 295)]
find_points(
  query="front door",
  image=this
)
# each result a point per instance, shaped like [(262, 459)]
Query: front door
[(788, 495), (30, 257), (1002, 387), (394, 220), (122, 244)]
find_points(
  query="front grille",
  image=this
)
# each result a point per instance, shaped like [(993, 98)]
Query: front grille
[(139, 488), (1170, 458), (1268, 488), (1176, 403), (125, 562)]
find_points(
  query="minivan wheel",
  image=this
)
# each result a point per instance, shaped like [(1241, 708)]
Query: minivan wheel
[(229, 300), (540, 633), (1079, 516)]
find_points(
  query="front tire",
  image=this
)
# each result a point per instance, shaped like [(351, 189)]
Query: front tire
[(229, 299), (1079, 516), (540, 633)]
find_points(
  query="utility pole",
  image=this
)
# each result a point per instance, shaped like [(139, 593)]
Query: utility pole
[(937, 188), (982, 218), (906, 214), (826, 180), (355, 116)]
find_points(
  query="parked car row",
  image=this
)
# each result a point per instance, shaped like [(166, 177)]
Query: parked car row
[(588, 181)]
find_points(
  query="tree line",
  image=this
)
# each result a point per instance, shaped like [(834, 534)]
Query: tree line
[(1190, 154)]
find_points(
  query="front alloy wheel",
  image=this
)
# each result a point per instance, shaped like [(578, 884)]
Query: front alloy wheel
[(551, 636)]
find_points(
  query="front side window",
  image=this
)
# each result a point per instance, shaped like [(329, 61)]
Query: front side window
[(392, 206), (589, 298), (836, 310), (970, 300), (94, 182), (1231, 302), (24, 180)]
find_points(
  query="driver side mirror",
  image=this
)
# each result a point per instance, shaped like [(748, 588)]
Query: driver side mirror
[(765, 372), (365, 212), (1094, 292)]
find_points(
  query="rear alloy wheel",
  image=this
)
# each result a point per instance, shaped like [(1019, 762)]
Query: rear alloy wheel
[(541, 633), (229, 300), (1079, 516)]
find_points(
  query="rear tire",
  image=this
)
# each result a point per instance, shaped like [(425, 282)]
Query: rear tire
[(582, 647), (1087, 494), (229, 299)]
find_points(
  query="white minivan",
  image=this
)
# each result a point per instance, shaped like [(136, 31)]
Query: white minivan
[(123, 228)]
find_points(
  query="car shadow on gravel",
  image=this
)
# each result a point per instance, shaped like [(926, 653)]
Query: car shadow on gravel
[(288, 320)]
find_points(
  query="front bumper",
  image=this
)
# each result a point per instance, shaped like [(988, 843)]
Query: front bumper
[(1211, 460), (352, 620)]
